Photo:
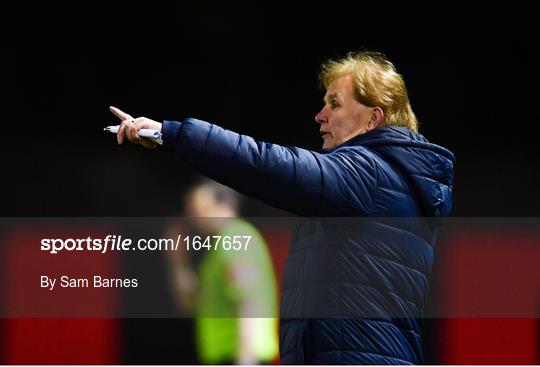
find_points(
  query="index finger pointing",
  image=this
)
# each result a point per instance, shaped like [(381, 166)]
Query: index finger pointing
[(120, 114)]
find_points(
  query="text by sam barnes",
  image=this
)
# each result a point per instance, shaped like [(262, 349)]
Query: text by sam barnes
[(91, 282)]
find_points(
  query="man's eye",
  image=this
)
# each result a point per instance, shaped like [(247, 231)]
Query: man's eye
[(334, 104)]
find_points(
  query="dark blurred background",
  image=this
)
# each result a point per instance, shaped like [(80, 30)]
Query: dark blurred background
[(471, 72)]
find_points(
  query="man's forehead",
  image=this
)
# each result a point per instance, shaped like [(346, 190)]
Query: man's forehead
[(339, 86), (332, 94), (343, 80)]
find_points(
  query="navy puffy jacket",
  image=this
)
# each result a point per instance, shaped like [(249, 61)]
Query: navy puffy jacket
[(351, 296)]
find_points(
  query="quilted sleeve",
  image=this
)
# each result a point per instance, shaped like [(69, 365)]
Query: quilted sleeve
[(307, 183)]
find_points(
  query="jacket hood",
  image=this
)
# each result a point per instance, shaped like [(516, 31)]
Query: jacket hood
[(428, 167)]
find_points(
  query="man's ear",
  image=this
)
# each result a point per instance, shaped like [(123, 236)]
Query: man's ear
[(377, 117)]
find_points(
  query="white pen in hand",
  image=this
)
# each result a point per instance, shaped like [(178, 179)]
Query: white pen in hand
[(143, 133)]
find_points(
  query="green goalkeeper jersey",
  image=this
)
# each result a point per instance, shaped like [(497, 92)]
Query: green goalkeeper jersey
[(229, 277)]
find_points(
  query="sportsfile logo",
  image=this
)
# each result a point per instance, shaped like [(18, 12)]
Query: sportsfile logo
[(109, 243)]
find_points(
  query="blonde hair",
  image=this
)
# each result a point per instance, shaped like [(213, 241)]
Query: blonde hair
[(376, 84)]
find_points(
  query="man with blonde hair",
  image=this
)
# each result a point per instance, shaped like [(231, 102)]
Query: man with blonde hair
[(375, 83), (354, 286)]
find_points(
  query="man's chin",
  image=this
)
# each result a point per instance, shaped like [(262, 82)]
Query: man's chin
[(328, 146)]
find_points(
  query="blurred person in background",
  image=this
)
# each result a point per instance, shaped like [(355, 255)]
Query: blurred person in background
[(373, 164), (232, 294)]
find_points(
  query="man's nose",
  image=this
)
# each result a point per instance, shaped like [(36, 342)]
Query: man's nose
[(320, 117)]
